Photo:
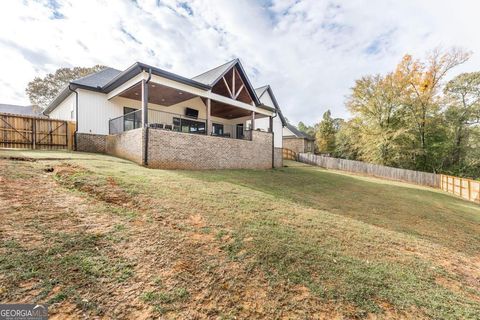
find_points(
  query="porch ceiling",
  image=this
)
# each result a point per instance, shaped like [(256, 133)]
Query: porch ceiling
[(157, 94), (223, 110)]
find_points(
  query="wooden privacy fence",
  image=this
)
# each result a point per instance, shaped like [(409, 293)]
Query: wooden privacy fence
[(27, 132), (289, 154), (462, 187), (417, 177)]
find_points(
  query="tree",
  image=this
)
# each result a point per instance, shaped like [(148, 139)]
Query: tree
[(421, 101), (346, 139), (462, 99), (325, 134), (41, 91), (306, 129), (376, 104)]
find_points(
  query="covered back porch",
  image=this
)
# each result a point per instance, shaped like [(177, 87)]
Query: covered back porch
[(226, 110)]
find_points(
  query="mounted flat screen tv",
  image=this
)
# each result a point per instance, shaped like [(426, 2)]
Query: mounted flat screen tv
[(191, 113)]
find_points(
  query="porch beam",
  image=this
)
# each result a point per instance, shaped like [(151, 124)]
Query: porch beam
[(209, 118), (144, 103), (238, 92), (233, 81), (228, 88)]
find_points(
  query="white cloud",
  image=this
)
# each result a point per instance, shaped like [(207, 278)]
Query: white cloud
[(309, 51)]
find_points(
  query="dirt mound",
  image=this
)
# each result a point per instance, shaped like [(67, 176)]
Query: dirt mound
[(106, 189)]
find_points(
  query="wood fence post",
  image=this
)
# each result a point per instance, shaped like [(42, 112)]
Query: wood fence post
[(461, 187), (34, 133), (469, 190)]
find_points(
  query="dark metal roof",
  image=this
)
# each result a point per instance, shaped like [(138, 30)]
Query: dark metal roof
[(99, 79), (20, 110), (298, 133), (138, 67)]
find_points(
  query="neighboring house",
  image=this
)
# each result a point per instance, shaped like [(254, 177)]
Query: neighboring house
[(154, 117), (297, 140), (21, 110)]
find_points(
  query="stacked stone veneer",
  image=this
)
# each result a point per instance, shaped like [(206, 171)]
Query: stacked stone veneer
[(127, 145), (88, 142), (176, 150)]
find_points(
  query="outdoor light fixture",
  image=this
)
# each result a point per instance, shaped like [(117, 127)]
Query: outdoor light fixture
[(179, 92)]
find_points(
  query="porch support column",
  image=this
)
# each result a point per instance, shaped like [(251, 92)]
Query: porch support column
[(253, 121), (209, 121), (144, 104)]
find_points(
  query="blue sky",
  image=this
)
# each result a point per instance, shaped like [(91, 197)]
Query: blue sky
[(310, 52)]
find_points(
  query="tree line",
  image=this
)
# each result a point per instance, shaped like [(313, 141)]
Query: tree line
[(410, 118)]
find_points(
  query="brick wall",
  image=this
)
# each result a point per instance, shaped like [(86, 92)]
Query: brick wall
[(176, 150), (295, 144), (126, 145), (88, 142), (278, 157)]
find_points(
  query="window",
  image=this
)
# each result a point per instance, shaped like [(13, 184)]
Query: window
[(131, 119), (217, 129), (188, 126)]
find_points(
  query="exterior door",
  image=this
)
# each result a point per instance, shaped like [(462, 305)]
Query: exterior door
[(239, 133)]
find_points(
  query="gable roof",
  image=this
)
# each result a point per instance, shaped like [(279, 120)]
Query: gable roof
[(212, 76), (20, 110), (298, 133), (261, 91), (108, 79)]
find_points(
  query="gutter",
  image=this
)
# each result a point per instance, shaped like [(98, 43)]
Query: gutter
[(76, 117), (145, 141), (273, 139)]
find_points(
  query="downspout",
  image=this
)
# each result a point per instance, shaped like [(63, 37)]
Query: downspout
[(145, 141), (76, 118), (273, 138)]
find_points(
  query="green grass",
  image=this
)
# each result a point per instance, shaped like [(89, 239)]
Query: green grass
[(358, 242)]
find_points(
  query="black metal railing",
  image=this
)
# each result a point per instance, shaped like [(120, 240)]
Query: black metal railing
[(175, 122)]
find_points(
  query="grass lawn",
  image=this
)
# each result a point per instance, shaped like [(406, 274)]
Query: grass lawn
[(99, 236)]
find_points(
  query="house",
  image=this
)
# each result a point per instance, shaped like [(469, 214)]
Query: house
[(215, 120), (297, 140), (31, 111)]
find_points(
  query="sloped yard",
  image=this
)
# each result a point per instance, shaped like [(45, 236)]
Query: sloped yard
[(97, 236)]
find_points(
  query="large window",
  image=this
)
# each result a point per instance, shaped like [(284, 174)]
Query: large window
[(188, 126)]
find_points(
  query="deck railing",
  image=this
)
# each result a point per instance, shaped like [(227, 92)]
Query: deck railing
[(176, 122)]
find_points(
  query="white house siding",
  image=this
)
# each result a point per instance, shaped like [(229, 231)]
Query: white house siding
[(94, 112), (65, 110)]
